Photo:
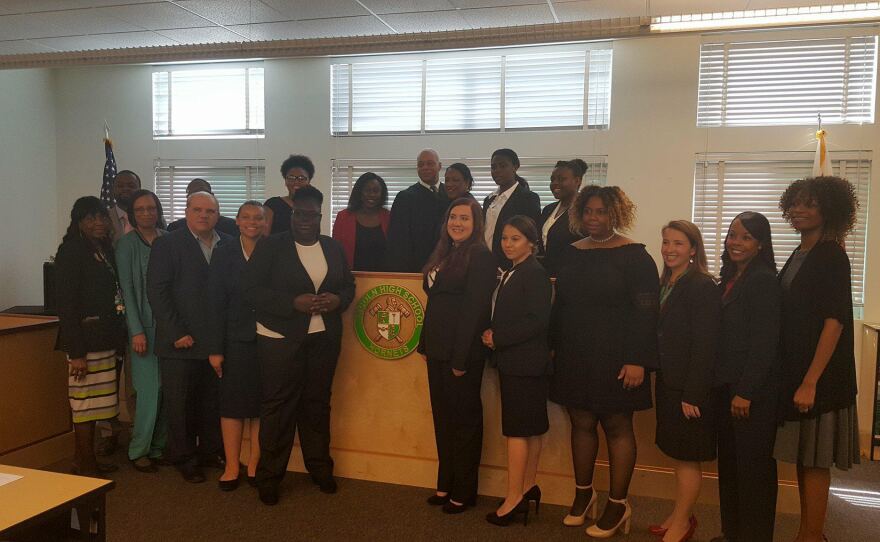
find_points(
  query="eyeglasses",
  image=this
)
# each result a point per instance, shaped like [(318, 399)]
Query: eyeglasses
[(145, 210), (306, 215), (296, 178)]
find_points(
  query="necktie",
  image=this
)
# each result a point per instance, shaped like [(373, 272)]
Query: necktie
[(433, 189)]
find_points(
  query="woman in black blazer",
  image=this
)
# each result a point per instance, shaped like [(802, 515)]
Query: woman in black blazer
[(234, 344), (458, 279), (513, 197), (91, 326), (556, 235), (518, 339), (746, 372), (687, 336), (300, 284), (817, 401)]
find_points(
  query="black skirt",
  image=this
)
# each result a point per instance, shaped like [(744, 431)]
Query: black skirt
[(240, 385), (524, 405), (681, 438)]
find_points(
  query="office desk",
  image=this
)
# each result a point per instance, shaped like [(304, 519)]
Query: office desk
[(40, 495)]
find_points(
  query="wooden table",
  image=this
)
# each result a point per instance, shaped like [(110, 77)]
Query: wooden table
[(39, 495)]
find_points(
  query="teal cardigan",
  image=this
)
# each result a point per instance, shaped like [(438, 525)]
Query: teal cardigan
[(132, 257)]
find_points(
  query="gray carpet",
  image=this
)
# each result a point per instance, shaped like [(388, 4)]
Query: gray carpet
[(162, 506)]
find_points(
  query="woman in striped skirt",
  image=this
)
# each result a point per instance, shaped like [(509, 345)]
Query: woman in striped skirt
[(91, 324)]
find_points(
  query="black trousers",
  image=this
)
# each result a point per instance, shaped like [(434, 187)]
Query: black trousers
[(189, 397), (458, 427), (747, 482), (296, 381)]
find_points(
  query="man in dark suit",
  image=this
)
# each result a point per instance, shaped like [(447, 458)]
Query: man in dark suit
[(224, 223), (300, 284), (177, 278), (416, 215)]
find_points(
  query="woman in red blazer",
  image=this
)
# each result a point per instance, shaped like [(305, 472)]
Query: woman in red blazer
[(362, 227)]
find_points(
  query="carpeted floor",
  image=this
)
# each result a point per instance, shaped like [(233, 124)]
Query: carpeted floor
[(163, 507)]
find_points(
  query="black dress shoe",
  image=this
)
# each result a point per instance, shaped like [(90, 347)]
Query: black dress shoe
[(161, 461), (212, 462), (721, 538), (437, 500), (143, 464), (327, 485), (268, 495), (452, 508), (228, 485), (191, 473)]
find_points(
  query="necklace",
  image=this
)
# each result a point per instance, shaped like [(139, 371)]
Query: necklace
[(610, 237)]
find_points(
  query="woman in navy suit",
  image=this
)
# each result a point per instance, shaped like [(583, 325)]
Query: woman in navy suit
[(234, 343), (458, 279), (518, 339), (746, 373), (556, 235)]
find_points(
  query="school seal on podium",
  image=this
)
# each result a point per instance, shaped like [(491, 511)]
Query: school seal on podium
[(388, 321)]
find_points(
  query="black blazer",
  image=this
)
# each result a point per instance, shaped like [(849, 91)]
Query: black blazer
[(233, 318), (687, 336), (821, 289), (177, 288), (274, 276), (749, 335), (559, 236), (520, 321), (457, 312), (87, 318), (522, 202), (224, 224), (416, 217)]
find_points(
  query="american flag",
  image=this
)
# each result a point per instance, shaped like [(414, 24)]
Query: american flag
[(109, 175)]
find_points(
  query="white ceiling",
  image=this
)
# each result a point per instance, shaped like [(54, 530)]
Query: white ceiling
[(46, 26)]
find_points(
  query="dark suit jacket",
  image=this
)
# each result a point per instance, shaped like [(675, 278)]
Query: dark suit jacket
[(687, 336), (458, 312), (821, 289), (749, 337), (416, 218), (224, 224), (86, 288), (233, 318), (177, 288), (520, 321), (559, 237), (274, 276), (522, 202)]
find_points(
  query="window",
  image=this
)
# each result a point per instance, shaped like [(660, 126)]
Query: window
[(232, 181), (451, 93), (216, 101), (787, 82), (399, 174), (726, 185)]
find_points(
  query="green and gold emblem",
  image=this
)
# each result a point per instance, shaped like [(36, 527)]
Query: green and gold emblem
[(388, 321)]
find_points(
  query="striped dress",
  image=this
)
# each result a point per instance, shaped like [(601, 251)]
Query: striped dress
[(94, 397)]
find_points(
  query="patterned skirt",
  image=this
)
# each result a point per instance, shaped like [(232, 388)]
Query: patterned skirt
[(94, 397)]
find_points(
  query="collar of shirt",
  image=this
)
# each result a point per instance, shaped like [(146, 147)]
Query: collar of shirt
[(433, 188), (214, 238), (503, 196)]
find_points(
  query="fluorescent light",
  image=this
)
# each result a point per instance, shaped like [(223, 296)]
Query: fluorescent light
[(767, 17)]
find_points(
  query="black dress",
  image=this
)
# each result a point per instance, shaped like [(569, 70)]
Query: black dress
[(281, 213), (605, 316), (369, 248)]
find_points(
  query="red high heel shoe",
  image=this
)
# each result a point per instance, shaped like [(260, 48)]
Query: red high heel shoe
[(659, 530)]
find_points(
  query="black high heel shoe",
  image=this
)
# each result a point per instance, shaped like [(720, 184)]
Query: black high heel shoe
[(533, 495), (522, 507)]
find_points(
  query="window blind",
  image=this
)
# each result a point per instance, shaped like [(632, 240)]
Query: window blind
[(208, 102), (232, 181), (787, 82), (443, 93), (401, 173), (726, 185)]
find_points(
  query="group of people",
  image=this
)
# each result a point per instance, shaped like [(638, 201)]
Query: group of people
[(753, 367)]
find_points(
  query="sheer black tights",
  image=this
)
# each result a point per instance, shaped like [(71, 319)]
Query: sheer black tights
[(621, 442)]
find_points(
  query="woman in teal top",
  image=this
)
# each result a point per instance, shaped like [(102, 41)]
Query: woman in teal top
[(132, 254)]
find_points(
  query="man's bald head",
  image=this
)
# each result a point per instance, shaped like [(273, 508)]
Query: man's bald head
[(428, 166)]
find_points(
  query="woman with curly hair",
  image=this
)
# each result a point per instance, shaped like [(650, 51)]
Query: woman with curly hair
[(818, 381), (604, 334)]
